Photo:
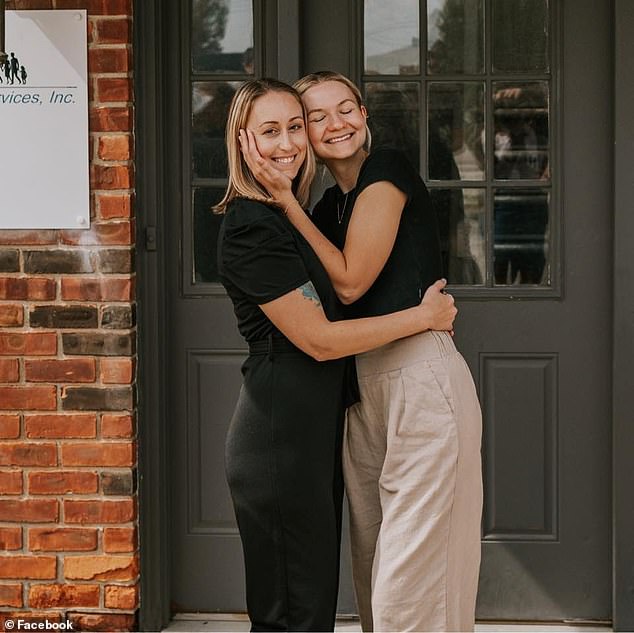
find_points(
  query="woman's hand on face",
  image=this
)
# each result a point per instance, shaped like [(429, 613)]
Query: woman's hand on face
[(439, 307), (273, 180)]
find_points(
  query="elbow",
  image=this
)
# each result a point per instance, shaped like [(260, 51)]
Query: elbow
[(321, 349), (349, 294)]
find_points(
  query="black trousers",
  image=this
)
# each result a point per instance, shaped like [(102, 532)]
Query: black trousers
[(283, 464)]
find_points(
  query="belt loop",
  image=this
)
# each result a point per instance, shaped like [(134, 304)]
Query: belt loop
[(269, 339)]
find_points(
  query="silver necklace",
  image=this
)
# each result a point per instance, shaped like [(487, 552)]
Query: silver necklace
[(341, 212)]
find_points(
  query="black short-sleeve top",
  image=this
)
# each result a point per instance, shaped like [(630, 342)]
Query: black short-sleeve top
[(261, 257), (415, 261)]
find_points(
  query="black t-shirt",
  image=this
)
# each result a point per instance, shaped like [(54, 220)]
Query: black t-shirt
[(415, 261), (261, 257)]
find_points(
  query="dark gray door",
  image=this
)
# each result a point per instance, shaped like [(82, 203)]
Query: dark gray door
[(507, 115)]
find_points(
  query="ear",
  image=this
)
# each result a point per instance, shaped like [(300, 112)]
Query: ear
[(364, 111)]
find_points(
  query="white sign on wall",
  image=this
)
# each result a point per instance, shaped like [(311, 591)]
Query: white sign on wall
[(44, 179)]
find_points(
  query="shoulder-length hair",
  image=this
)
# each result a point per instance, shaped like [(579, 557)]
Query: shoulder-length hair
[(320, 77), (242, 182)]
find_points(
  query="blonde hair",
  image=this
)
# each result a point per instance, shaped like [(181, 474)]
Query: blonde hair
[(322, 76), (242, 182)]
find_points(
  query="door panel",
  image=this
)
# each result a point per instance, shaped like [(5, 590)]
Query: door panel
[(528, 251)]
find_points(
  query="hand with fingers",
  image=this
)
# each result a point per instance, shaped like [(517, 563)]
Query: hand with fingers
[(439, 307), (273, 180)]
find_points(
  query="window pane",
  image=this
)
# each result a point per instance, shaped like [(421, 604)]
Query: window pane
[(456, 131), (210, 105), (461, 220), (394, 117), (391, 36), (520, 241), (206, 225), (222, 36), (520, 115), (455, 36), (520, 36)]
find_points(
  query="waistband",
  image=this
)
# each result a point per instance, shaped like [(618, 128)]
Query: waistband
[(271, 345), (408, 351)]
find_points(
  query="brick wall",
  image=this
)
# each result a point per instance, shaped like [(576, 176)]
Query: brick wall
[(68, 508)]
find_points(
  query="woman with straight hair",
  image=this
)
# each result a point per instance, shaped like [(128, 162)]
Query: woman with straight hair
[(283, 448), (411, 458)]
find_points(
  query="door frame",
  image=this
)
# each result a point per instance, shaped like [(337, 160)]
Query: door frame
[(156, 188)]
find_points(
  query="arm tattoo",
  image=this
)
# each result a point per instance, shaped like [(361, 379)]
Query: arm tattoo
[(308, 292)]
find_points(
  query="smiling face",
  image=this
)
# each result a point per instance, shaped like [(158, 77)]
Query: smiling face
[(336, 122), (277, 122)]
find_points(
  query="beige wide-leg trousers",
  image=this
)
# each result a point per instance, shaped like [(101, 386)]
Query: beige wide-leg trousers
[(414, 482)]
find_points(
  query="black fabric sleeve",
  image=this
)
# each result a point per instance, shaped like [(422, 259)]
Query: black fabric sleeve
[(388, 165), (260, 257)]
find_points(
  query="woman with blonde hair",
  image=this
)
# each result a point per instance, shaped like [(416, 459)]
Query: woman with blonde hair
[(283, 449), (412, 444)]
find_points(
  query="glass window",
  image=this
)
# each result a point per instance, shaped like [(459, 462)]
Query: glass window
[(456, 131), (205, 226), (222, 36), (486, 131), (395, 116), (520, 118), (520, 244), (455, 36), (520, 36), (391, 37)]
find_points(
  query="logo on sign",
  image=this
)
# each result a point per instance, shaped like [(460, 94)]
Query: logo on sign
[(12, 71)]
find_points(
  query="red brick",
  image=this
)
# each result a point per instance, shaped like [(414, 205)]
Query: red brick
[(114, 90), (11, 316), (81, 425), (124, 598), (107, 233), (111, 119), (28, 344), (18, 237), (99, 454), (102, 622), (116, 426), (28, 510), (10, 482), (119, 540), (56, 596), (10, 426), (20, 5), (110, 31), (117, 147), (118, 371), (11, 596), (10, 538), (104, 289), (9, 370), (108, 60), (27, 454), (27, 288), (74, 370), (62, 482), (36, 567), (111, 177), (101, 567), (62, 539), (28, 398), (119, 511), (98, 7)]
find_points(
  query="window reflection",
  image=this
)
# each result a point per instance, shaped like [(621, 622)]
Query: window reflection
[(206, 226), (455, 36), (461, 221), (520, 112), (210, 105), (394, 117), (456, 131), (520, 36), (391, 37), (521, 220), (222, 36)]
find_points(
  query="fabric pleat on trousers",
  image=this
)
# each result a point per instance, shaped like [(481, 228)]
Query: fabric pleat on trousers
[(413, 476)]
